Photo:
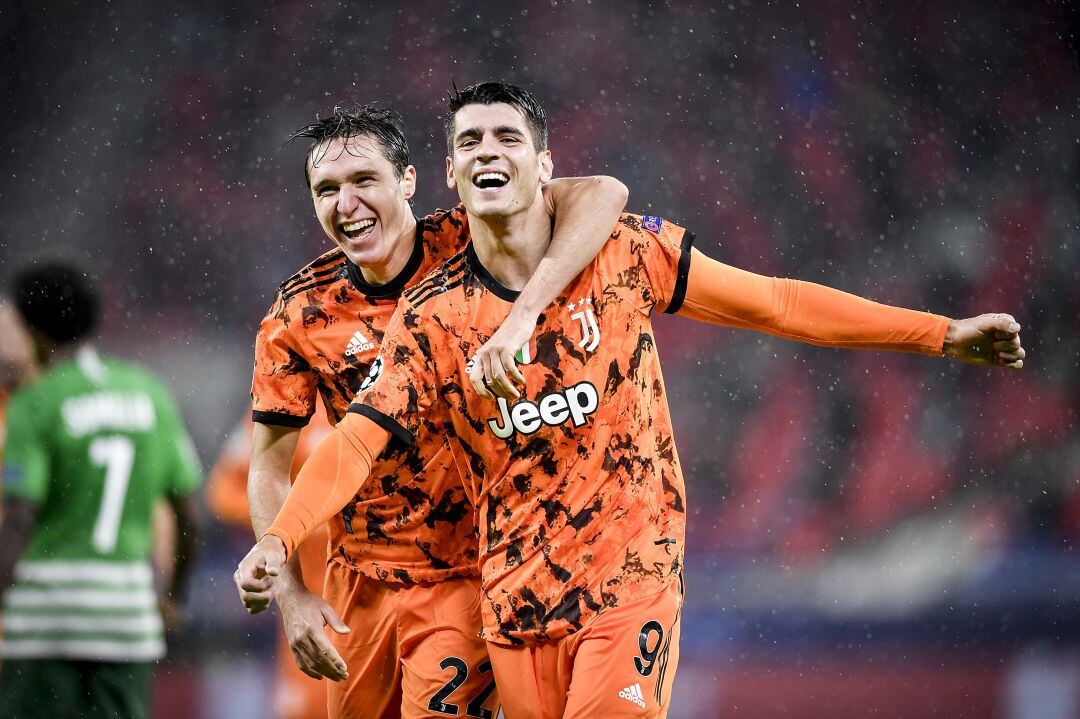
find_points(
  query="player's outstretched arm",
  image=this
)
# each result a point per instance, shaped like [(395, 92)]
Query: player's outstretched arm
[(585, 211), (808, 312)]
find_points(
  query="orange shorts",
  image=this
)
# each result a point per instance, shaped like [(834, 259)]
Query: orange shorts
[(621, 664), (413, 650)]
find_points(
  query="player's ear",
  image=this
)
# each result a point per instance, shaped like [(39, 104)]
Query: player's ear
[(408, 182), (547, 167), (450, 181)]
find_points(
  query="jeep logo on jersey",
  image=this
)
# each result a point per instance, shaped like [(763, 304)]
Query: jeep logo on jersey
[(372, 374), (574, 403)]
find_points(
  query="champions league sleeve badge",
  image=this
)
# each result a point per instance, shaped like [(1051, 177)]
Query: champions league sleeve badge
[(652, 223)]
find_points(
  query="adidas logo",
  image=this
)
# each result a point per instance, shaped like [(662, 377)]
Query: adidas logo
[(359, 343), (633, 693)]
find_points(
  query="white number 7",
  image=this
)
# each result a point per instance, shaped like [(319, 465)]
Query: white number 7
[(116, 455)]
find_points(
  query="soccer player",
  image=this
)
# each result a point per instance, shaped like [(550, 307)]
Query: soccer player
[(92, 444), (578, 484), (401, 591)]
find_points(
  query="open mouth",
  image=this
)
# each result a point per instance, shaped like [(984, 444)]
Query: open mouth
[(491, 180), (358, 229)]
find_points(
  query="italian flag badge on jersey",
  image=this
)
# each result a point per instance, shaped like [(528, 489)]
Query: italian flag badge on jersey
[(527, 353)]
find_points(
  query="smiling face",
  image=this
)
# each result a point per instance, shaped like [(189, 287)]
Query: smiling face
[(495, 166), (361, 203)]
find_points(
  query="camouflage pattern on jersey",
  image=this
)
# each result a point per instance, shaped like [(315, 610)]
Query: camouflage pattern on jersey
[(412, 521), (578, 484)]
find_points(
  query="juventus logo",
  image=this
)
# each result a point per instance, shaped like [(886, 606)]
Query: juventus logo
[(590, 330)]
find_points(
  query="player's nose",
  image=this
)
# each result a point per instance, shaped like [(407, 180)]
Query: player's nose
[(348, 201), (490, 149)]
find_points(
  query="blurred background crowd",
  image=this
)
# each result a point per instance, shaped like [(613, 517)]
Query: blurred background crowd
[(869, 534)]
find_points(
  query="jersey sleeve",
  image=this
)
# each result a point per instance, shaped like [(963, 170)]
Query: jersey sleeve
[(284, 388), (805, 311), (26, 455), (651, 257), (399, 392), (182, 467), (667, 260)]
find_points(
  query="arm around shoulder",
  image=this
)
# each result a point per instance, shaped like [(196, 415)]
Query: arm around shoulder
[(585, 210)]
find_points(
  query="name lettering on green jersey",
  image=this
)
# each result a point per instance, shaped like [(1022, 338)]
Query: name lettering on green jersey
[(101, 411)]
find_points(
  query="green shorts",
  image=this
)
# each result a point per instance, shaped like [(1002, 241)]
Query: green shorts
[(72, 689)]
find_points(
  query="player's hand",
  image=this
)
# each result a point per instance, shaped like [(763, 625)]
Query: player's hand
[(304, 615), (494, 371), (986, 340), (256, 574)]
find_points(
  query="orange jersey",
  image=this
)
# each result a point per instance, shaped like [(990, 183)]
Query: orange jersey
[(578, 483), (413, 522)]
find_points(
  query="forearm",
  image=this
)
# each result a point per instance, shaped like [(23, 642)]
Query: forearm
[(805, 312), (267, 490), (188, 533), (268, 482), (585, 211), (329, 480)]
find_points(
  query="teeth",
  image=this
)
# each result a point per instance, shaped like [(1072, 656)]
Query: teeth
[(491, 176), (356, 226)]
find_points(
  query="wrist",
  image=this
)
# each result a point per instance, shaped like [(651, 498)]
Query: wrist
[(291, 578), (948, 345), (275, 544), (523, 313)]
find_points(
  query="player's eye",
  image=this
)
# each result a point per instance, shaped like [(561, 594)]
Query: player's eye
[(326, 190), (465, 144), (510, 140)]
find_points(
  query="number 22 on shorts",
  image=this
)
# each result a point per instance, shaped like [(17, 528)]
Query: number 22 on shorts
[(475, 707)]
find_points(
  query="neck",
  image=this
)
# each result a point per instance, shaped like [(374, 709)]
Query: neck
[(403, 248), (510, 248), (51, 353)]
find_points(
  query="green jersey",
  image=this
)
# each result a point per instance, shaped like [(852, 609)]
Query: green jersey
[(96, 443)]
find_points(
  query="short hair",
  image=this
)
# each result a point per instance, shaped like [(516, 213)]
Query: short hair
[(57, 300), (346, 123), (489, 93)]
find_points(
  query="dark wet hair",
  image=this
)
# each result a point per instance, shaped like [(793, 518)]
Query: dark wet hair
[(56, 299), (346, 123), (489, 93)]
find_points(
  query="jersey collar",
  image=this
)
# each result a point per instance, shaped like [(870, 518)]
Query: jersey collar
[(486, 278), (396, 285)]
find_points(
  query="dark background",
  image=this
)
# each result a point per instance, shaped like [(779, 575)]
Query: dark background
[(869, 534)]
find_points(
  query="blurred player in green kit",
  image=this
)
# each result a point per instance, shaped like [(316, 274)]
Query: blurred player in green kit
[(92, 445)]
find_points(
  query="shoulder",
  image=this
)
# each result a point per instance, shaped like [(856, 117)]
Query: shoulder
[(128, 375), (636, 235), (324, 271), (324, 277), (24, 399), (445, 232), (444, 278), (47, 389), (453, 220)]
